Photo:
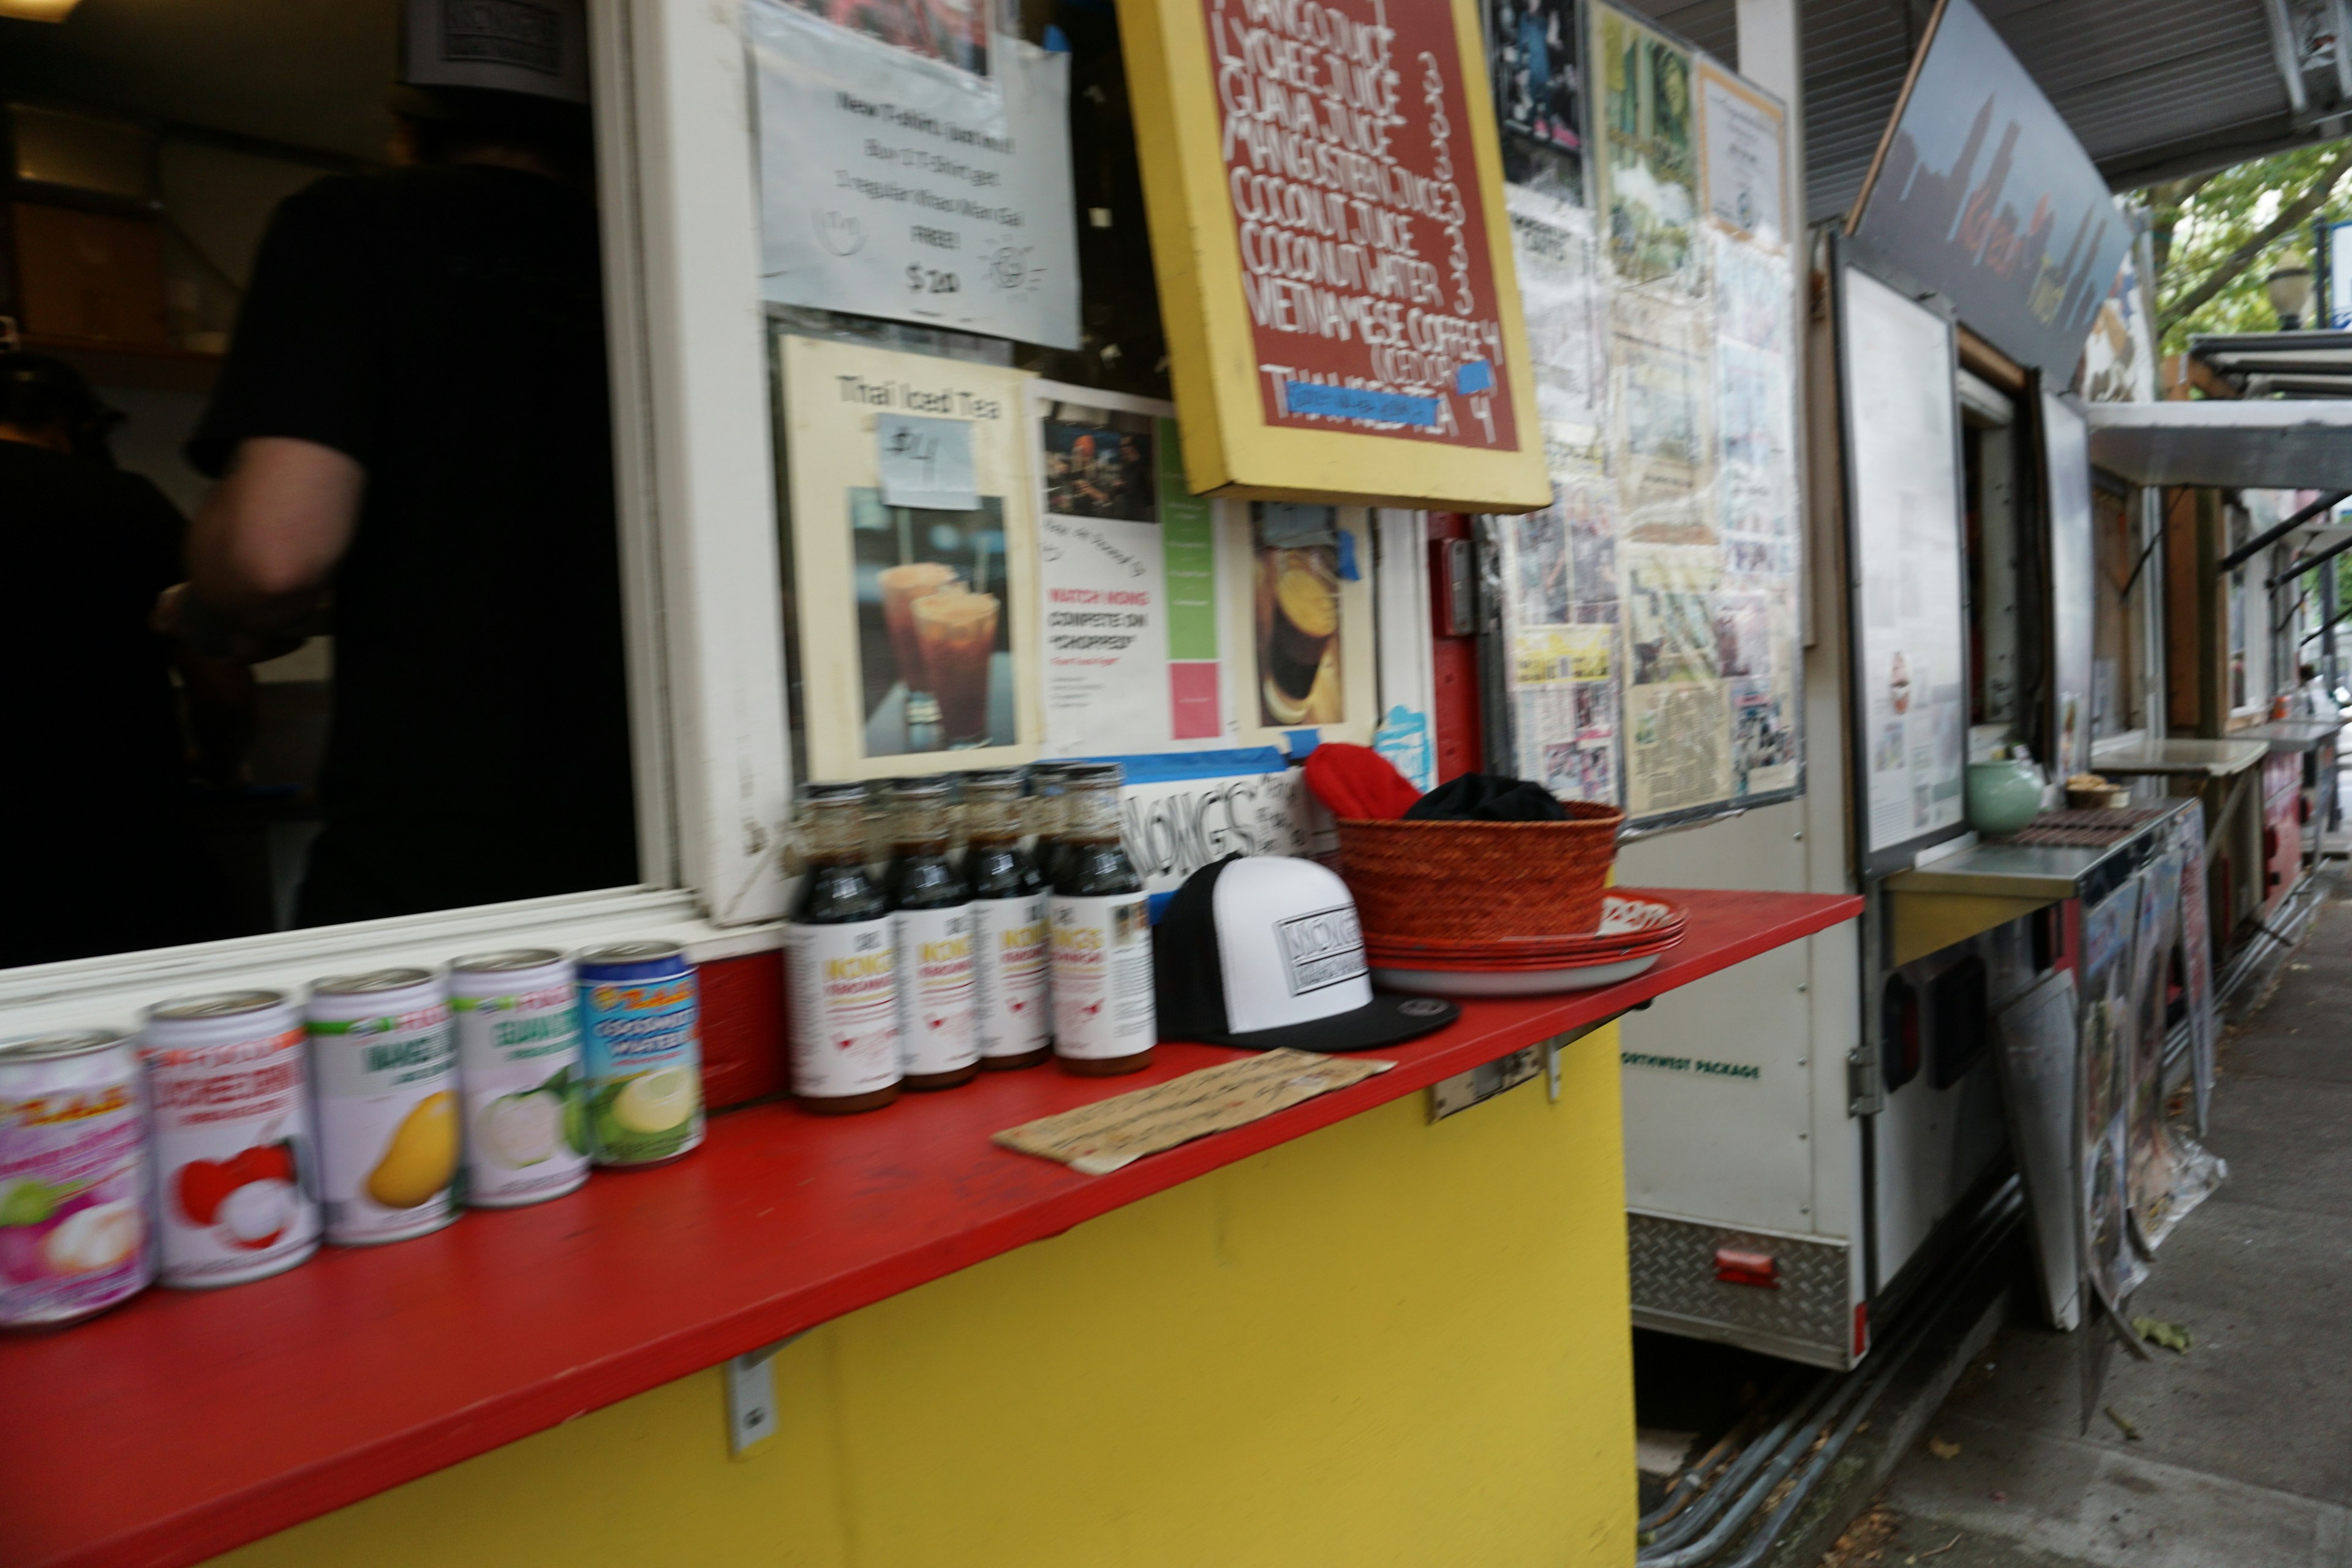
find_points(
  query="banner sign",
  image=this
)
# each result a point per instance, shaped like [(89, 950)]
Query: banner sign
[(1179, 813), (1334, 257), (897, 185), (1981, 192)]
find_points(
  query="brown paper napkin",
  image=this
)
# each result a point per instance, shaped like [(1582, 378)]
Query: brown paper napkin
[(1099, 1138)]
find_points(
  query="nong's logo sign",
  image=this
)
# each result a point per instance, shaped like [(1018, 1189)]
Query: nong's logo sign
[(1173, 828)]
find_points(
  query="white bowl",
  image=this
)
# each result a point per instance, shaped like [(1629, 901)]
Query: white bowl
[(1511, 983)]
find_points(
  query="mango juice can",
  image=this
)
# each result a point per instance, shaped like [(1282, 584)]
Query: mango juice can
[(73, 1179), (389, 1130), (228, 1101), (641, 1049), (518, 1022)]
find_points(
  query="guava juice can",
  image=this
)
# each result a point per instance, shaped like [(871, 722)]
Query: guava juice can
[(73, 1179), (389, 1128), (641, 1051), (235, 1191), (518, 1022)]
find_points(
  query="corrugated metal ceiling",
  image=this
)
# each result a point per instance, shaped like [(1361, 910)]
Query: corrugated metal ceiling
[(2153, 88)]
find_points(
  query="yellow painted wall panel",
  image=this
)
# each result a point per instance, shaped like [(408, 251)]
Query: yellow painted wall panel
[(1390, 1342)]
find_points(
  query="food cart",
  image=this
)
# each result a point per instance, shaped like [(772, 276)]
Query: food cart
[(883, 1338)]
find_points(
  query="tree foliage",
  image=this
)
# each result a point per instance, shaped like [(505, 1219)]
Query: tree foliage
[(2197, 225)]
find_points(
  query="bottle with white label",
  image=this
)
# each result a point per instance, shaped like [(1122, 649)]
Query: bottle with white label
[(841, 963), (1011, 1010), (1104, 1020), (930, 910)]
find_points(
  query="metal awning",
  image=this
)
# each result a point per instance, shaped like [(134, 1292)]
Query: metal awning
[(2153, 88), (2278, 444), (2286, 364)]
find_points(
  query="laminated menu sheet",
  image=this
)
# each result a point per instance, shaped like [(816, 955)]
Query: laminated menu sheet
[(1097, 1139)]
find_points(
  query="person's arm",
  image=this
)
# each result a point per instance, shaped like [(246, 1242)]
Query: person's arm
[(265, 547), (267, 540)]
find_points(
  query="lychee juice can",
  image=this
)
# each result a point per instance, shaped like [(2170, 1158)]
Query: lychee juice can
[(641, 1046), (73, 1179), (518, 1023), (235, 1195), (390, 1131)]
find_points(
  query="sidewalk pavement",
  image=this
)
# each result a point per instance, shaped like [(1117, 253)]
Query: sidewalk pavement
[(2243, 1457)]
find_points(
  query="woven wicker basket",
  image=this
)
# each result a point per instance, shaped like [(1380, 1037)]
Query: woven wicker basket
[(1473, 880)]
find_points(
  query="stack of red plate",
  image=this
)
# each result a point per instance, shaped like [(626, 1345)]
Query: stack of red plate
[(1635, 928)]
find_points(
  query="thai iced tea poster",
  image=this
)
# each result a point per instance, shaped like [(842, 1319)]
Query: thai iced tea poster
[(1126, 565), (916, 645)]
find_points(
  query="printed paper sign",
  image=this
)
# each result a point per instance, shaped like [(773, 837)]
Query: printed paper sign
[(1740, 138), (1128, 566), (898, 185), (925, 462)]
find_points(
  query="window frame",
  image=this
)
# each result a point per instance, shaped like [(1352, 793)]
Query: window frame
[(694, 488)]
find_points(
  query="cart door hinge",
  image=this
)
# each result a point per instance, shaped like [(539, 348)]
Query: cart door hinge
[(1863, 1094)]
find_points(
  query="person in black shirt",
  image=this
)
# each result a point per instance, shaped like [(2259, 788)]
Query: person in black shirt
[(102, 856), (413, 436)]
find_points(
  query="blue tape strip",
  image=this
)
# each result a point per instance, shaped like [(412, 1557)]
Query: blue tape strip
[(1161, 767), (1360, 402), (1348, 571), (1475, 376)]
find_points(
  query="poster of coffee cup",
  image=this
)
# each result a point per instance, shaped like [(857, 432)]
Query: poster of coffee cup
[(1299, 598), (915, 634), (1295, 597)]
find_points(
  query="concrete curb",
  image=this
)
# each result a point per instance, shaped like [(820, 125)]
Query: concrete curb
[(1965, 1327)]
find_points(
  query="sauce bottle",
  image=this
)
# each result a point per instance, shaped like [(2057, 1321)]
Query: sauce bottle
[(841, 963), (1104, 1020), (930, 907), (1012, 1013), (1046, 816)]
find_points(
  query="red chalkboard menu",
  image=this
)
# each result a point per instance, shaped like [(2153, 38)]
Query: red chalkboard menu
[(1361, 228)]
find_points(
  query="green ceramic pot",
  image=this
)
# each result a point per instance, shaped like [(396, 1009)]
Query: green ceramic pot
[(2002, 797)]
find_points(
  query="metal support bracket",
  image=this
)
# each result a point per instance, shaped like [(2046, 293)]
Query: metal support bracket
[(751, 1396), (1450, 1096)]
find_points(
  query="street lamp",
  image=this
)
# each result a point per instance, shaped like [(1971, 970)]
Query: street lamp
[(2290, 291)]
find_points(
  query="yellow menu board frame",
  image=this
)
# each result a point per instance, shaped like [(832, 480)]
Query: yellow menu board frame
[(1229, 447)]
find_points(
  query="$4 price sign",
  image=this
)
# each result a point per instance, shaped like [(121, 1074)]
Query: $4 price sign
[(925, 462)]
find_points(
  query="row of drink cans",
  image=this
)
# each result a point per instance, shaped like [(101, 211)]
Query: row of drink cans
[(235, 1131)]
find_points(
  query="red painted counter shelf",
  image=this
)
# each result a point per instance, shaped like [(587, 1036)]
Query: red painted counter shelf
[(185, 1423)]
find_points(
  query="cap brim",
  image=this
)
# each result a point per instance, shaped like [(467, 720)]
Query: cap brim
[(1387, 1021)]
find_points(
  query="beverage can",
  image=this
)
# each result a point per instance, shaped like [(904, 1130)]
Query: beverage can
[(843, 984), (641, 1049), (1012, 1016), (935, 990), (385, 1062), (1103, 1005), (73, 1179), (228, 1097), (518, 1020)]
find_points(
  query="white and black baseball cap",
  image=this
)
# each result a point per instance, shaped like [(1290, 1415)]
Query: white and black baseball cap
[(1262, 952)]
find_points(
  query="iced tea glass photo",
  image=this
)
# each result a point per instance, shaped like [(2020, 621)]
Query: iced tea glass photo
[(901, 588), (955, 633)]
